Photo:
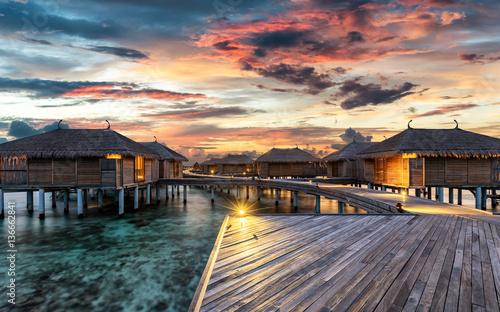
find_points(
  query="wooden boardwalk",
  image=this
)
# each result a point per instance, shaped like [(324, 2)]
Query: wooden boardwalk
[(352, 263)]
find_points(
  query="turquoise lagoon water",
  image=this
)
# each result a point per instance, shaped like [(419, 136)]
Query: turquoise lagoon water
[(150, 260)]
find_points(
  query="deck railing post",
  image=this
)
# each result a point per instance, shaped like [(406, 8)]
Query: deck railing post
[(295, 201), (341, 207)]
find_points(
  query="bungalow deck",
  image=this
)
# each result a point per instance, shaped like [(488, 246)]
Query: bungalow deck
[(352, 263)]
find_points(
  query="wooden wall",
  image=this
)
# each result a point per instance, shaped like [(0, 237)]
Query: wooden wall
[(64, 172), (369, 170), (40, 171), (394, 170), (147, 170), (128, 171), (441, 171), (435, 169), (234, 169), (88, 172), (291, 170), (13, 171), (109, 172), (155, 170)]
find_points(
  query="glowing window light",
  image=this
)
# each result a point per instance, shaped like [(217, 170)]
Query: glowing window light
[(113, 156)]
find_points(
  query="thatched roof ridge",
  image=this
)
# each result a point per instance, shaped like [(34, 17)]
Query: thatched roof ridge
[(287, 155), (436, 142), (74, 143), (211, 161), (164, 152), (348, 152), (232, 159)]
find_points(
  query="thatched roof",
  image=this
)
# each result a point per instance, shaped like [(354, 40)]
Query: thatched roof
[(348, 152), (164, 152), (436, 142), (232, 159), (73, 143), (287, 155), (210, 162)]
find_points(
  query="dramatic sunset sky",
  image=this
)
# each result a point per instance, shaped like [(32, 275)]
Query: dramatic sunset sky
[(212, 77)]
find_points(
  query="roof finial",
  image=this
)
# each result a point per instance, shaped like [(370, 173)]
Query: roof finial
[(109, 125), (156, 140), (58, 127), (354, 139), (384, 137), (456, 127), (296, 145), (409, 124)]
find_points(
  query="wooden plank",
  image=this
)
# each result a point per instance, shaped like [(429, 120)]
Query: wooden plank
[(490, 296), (494, 259), (465, 299), (477, 274), (205, 277)]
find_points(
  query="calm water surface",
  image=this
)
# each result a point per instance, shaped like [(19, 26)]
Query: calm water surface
[(150, 260)]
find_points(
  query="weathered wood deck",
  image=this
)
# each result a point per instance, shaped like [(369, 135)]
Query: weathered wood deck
[(353, 263)]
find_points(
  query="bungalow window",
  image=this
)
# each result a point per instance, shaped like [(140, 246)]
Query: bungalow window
[(380, 169), (139, 169)]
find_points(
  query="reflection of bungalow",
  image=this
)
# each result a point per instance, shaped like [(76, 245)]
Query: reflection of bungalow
[(170, 165), (451, 158), (235, 164), (287, 162), (344, 163), (79, 159), (210, 166)]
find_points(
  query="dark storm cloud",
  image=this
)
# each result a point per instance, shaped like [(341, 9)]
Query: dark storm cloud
[(350, 133), (39, 88), (295, 74), (355, 36), (126, 53), (35, 41), (277, 89), (474, 58), (49, 88), (280, 39), (359, 95), (21, 129), (224, 46)]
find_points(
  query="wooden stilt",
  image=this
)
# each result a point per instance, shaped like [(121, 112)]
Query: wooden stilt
[(92, 194), (178, 190), (238, 192), (99, 200), (41, 204), (384, 188), (184, 187), (318, 201), (2, 207), (148, 195), (173, 191), (418, 192), (429, 192), (478, 197), (79, 202), (484, 198), (121, 203), (459, 196), (450, 195), (248, 192), (85, 202), (166, 192), (66, 201), (136, 198), (53, 195), (212, 194), (157, 193), (29, 201), (440, 194), (276, 198)]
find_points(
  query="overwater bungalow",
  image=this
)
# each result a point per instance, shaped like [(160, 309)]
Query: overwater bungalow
[(170, 162), (418, 158), (210, 166), (80, 159), (344, 163), (288, 162), (235, 164)]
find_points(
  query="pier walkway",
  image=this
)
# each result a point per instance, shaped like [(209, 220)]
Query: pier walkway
[(360, 262)]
